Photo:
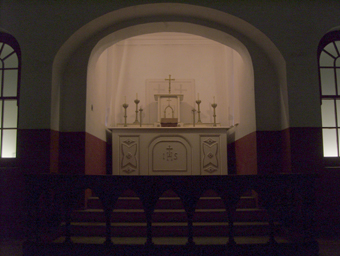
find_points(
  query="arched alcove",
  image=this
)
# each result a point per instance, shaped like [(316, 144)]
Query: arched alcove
[(263, 99), (230, 70)]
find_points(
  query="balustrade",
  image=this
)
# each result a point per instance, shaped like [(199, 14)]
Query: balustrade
[(288, 199)]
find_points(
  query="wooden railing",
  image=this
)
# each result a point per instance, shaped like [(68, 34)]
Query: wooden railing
[(288, 198)]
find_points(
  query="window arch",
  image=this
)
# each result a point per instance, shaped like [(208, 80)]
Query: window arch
[(10, 64), (329, 75)]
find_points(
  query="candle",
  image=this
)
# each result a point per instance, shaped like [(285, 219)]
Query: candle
[(214, 99), (125, 99), (198, 96), (137, 96)]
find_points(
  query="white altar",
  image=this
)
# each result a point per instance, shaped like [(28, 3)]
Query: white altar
[(169, 146), (169, 151)]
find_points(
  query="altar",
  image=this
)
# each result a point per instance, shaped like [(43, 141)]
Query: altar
[(169, 146)]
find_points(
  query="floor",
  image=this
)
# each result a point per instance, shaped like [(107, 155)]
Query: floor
[(327, 247)]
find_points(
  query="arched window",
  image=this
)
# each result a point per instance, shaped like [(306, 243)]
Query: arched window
[(329, 74), (10, 63)]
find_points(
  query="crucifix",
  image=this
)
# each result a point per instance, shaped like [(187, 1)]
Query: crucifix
[(170, 82)]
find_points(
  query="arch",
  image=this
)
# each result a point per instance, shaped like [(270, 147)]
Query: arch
[(70, 63), (265, 82)]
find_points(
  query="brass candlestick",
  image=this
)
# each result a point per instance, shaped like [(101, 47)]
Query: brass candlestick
[(140, 116), (214, 105), (198, 111), (193, 117), (136, 121), (125, 106)]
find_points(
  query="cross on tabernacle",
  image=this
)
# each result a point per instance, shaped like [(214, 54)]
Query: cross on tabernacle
[(170, 82)]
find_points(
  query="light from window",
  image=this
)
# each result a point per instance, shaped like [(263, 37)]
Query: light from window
[(9, 73)]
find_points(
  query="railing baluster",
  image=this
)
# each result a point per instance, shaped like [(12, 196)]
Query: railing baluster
[(190, 229), (148, 228), (68, 226), (272, 240), (231, 240), (108, 212)]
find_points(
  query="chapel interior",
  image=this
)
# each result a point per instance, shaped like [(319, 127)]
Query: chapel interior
[(213, 116)]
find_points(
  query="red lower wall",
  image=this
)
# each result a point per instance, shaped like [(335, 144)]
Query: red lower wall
[(273, 152), (95, 155), (246, 155), (71, 152), (306, 149), (54, 152), (33, 150)]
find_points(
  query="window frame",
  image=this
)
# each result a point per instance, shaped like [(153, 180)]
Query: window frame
[(330, 37), (8, 39)]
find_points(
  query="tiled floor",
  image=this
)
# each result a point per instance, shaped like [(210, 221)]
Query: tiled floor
[(9, 247)]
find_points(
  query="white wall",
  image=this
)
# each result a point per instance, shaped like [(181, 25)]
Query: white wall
[(122, 69)]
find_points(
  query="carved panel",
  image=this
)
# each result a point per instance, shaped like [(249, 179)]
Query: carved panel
[(129, 155), (210, 147), (170, 155)]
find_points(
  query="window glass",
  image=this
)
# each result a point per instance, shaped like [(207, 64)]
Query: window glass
[(328, 113), (327, 81), (1, 82), (6, 51), (338, 112), (326, 60), (11, 61), (10, 114), (0, 115), (9, 86), (337, 62), (10, 83), (9, 143), (330, 48), (337, 44), (329, 143)]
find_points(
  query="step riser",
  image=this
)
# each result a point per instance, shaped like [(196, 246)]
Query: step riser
[(172, 204), (170, 231), (246, 216), (170, 193)]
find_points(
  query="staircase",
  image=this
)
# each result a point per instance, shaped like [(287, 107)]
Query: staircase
[(169, 218)]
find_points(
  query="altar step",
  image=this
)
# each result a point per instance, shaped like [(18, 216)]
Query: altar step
[(169, 218), (173, 229)]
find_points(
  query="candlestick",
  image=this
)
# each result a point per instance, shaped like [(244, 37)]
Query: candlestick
[(140, 116), (214, 105), (193, 117), (198, 111), (125, 106), (136, 121)]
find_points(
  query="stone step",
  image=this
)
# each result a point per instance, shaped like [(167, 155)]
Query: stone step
[(172, 203), (167, 215), (171, 229)]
